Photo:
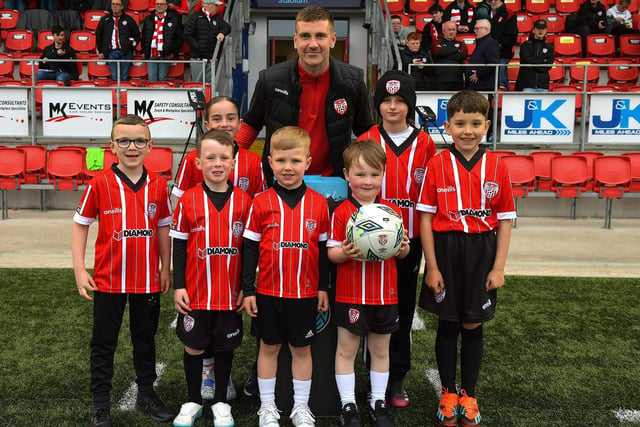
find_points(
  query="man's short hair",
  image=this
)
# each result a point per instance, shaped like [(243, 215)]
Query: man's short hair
[(435, 8), (468, 101), (414, 36), (290, 137), (370, 151), (313, 14), (130, 119), (396, 17), (222, 137), (57, 29)]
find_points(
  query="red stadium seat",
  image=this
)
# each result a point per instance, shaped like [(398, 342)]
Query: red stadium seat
[(13, 162), (604, 88), (573, 89), (634, 6), (612, 176), (569, 176), (630, 46), (138, 5), (122, 92), (395, 6), (469, 40), (577, 72), (418, 6), (557, 75), (19, 42), (98, 71), (39, 85), (621, 74), (176, 73), (568, 7), (160, 161), (83, 41), (514, 6), (567, 45), (601, 46), (502, 153), (421, 20), (92, 19), (64, 167), (45, 38), (524, 21), (634, 158), (159, 84), (36, 163), (590, 156), (542, 166), (138, 72), (28, 67), (80, 83), (537, 6), (8, 20), (555, 22), (6, 67), (522, 175)]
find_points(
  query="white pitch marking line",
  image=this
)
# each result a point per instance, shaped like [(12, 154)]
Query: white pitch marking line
[(128, 400), (434, 378), (627, 415), (417, 324), (174, 323)]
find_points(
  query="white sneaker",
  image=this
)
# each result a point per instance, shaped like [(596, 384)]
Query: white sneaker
[(208, 388), (189, 413), (301, 416), (231, 391), (268, 415), (222, 415)]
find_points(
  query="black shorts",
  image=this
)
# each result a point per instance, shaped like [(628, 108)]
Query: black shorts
[(210, 330), (361, 319), (464, 260), (286, 320)]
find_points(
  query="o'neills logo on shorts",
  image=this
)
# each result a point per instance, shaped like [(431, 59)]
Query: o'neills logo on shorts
[(142, 232)]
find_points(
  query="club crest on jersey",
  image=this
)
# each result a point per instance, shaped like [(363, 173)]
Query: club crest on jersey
[(340, 106), (491, 189), (188, 322), (311, 225), (418, 175), (237, 227), (152, 210), (454, 215), (354, 315), (243, 183), (393, 86)]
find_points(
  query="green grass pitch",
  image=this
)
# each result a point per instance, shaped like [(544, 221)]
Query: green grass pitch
[(561, 351)]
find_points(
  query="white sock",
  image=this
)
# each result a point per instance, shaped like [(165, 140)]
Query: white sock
[(301, 392), (347, 388), (207, 368), (379, 382), (267, 391)]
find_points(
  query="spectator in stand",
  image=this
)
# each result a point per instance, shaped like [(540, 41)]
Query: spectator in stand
[(591, 19), (181, 7), (413, 54), (433, 30), (106, 5), (448, 50), (400, 32), (117, 36), (49, 5), (535, 51), (461, 13), (50, 69), (201, 32), (504, 29), (19, 5), (483, 10), (161, 40), (619, 20)]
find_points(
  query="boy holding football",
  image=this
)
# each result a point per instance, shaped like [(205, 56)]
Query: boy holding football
[(408, 151), (366, 292), (466, 207), (132, 261), (207, 230), (285, 237)]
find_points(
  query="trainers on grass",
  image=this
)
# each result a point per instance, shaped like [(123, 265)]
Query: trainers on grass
[(153, 406), (349, 416), (100, 417), (397, 395), (222, 415), (189, 413), (231, 391), (208, 389), (268, 415), (448, 408), (251, 385), (301, 416), (380, 416), (468, 408)]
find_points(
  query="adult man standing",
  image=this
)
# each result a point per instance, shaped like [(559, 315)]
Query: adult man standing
[(504, 29), (50, 68), (535, 51), (400, 32), (461, 13), (117, 36), (201, 32), (448, 50), (161, 40), (322, 95)]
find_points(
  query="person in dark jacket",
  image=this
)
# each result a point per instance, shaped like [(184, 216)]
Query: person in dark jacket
[(117, 36), (448, 50), (161, 40), (412, 54), (591, 19), (50, 69), (201, 32), (535, 51), (462, 13), (504, 29), (433, 30)]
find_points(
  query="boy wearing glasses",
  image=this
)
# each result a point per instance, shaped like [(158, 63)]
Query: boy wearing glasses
[(132, 261)]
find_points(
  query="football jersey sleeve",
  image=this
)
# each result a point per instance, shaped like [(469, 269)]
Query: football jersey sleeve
[(428, 202), (87, 211), (324, 223), (184, 177), (179, 225), (338, 229), (164, 210), (504, 203), (252, 229)]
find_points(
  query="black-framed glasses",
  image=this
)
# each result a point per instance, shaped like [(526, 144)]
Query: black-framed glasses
[(126, 142)]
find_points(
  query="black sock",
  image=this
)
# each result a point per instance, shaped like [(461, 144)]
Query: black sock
[(447, 353), (222, 361), (471, 358), (193, 375)]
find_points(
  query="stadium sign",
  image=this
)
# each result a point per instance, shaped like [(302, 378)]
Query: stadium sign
[(538, 118), (614, 118), (14, 114), (77, 113), (167, 112)]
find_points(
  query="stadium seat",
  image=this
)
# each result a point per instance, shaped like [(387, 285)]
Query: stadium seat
[(567, 45), (604, 88), (557, 75), (137, 17), (39, 85), (11, 83), (569, 177), (577, 72), (109, 158), (634, 6), (634, 158), (8, 21), (138, 72), (612, 177), (19, 42), (64, 168), (195, 85), (590, 156), (630, 47), (6, 67), (28, 67), (524, 21), (159, 84), (83, 41), (85, 83), (12, 169), (395, 6), (601, 46), (502, 153), (567, 7), (98, 71), (419, 6), (160, 161), (555, 22), (514, 6), (512, 72), (176, 73), (573, 89), (421, 20), (122, 92), (45, 38), (139, 6), (537, 6), (542, 167), (522, 176), (469, 40), (92, 19), (36, 163), (621, 74)]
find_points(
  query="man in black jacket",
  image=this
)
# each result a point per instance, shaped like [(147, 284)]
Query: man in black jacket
[(448, 50), (202, 31), (50, 69), (117, 36), (535, 51), (161, 40), (504, 29)]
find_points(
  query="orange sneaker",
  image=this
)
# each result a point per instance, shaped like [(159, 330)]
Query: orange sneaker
[(468, 409), (448, 408)]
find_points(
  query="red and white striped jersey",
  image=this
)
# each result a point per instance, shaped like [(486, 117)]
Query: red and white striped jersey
[(405, 171), (289, 255), (362, 282), (467, 196), (127, 256), (214, 247), (246, 175)]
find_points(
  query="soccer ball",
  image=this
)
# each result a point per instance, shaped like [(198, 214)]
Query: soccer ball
[(376, 230)]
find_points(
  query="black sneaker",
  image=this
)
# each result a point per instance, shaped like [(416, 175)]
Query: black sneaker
[(101, 417), (396, 394), (251, 386), (349, 416), (380, 416), (154, 407)]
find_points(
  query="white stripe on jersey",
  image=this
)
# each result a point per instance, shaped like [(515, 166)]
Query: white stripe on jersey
[(382, 283), (454, 165), (483, 177), (414, 147), (123, 271), (207, 263), (300, 239), (363, 284), (230, 240), (147, 240), (281, 222)]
